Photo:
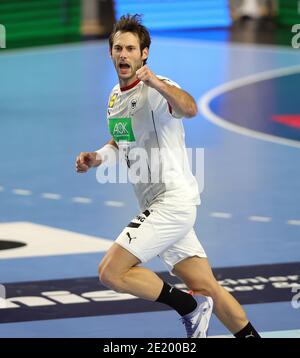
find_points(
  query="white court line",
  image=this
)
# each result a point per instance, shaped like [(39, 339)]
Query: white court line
[(262, 219), (81, 200), (42, 240), (204, 102), (221, 215), (293, 222), (293, 333), (119, 204), (22, 192), (51, 196), (116, 204)]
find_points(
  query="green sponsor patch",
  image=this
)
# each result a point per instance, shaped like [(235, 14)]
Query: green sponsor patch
[(121, 129)]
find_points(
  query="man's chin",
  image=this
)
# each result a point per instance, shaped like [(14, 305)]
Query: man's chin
[(127, 73), (127, 76)]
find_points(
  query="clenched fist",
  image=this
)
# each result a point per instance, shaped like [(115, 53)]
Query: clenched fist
[(85, 161), (147, 76)]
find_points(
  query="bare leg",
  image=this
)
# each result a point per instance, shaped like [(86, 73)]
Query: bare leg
[(119, 272), (196, 273)]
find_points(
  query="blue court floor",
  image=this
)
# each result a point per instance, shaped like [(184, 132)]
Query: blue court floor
[(53, 106)]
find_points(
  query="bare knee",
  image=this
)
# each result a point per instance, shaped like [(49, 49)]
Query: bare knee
[(109, 278), (104, 275), (206, 288)]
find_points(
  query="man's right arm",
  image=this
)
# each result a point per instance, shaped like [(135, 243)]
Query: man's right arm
[(87, 160)]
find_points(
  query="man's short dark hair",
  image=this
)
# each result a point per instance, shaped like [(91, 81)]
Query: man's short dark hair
[(131, 23)]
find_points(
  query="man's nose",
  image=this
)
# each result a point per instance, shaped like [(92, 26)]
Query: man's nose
[(123, 54)]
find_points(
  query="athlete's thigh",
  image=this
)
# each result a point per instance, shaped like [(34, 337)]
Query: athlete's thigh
[(118, 260), (185, 248)]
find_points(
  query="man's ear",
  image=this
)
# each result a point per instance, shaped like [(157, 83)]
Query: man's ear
[(145, 53)]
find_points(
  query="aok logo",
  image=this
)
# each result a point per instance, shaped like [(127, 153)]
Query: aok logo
[(120, 129), (296, 38), (2, 36)]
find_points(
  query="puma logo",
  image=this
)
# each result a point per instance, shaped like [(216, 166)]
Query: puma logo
[(251, 335), (130, 238)]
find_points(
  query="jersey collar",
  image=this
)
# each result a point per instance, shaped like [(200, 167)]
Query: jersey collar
[(130, 86)]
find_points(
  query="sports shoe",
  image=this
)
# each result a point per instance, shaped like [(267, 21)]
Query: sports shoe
[(196, 322)]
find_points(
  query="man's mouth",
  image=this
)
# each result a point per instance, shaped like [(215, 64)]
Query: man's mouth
[(124, 66)]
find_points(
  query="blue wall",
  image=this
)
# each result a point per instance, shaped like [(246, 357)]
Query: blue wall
[(177, 14)]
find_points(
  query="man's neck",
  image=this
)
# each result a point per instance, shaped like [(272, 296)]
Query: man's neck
[(126, 83)]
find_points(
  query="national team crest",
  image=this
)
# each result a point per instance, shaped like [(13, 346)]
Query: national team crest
[(133, 103)]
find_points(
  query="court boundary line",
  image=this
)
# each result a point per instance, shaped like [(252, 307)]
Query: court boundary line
[(294, 333), (205, 100)]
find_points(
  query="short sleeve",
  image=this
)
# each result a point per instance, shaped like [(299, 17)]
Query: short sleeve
[(161, 105)]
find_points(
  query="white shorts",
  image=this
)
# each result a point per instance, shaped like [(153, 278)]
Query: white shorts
[(164, 231)]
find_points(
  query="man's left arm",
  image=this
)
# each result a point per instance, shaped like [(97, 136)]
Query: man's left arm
[(182, 102)]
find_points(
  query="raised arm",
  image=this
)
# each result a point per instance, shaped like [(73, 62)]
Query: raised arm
[(182, 102)]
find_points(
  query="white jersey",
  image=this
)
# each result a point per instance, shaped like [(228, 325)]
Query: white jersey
[(140, 117)]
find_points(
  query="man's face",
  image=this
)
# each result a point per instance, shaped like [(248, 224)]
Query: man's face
[(127, 57)]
